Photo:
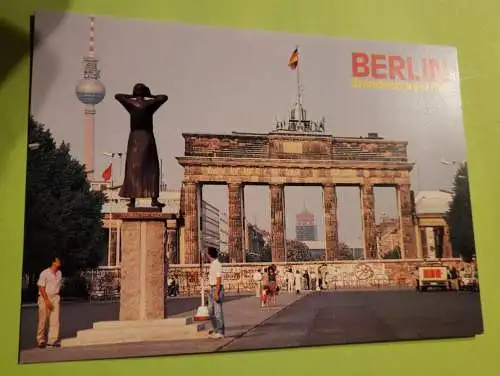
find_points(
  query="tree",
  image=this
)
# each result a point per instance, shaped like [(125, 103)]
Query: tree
[(393, 254), (297, 251), (267, 255), (459, 216), (62, 216), (344, 252)]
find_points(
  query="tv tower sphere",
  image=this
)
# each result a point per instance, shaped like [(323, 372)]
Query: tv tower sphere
[(90, 91)]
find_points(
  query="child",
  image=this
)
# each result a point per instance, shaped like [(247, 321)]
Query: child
[(263, 298)]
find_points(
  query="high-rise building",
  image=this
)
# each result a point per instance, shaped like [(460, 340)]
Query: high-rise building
[(305, 226), (90, 91), (210, 230), (223, 232)]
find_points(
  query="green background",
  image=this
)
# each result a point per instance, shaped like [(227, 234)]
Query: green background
[(472, 26)]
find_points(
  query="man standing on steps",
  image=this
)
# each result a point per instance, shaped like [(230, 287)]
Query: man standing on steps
[(49, 285), (216, 295)]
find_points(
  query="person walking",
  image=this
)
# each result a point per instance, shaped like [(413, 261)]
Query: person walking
[(49, 286), (313, 280), (216, 295), (307, 284), (298, 282), (271, 272), (290, 280), (257, 277)]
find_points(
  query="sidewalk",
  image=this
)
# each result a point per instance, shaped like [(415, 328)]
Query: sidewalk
[(240, 316)]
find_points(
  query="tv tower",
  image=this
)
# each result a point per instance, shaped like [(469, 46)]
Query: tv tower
[(90, 91)]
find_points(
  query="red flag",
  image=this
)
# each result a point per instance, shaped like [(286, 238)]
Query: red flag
[(294, 59), (106, 175)]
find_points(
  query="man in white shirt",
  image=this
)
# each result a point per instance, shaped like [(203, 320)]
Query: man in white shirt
[(49, 285), (215, 295), (257, 277)]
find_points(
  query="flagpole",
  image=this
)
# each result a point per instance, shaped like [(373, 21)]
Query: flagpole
[(299, 94)]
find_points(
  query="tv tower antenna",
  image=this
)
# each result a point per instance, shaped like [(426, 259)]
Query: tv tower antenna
[(90, 91)]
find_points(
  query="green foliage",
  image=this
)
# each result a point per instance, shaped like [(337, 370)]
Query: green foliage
[(62, 215), (459, 217), (393, 254), (267, 255), (344, 252), (297, 251)]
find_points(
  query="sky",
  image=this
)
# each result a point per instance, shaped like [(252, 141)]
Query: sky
[(222, 80)]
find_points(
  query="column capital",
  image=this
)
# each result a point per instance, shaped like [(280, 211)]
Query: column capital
[(276, 185), (403, 185), (190, 183), (329, 185)]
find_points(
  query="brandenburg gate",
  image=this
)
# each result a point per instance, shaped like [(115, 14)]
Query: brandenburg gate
[(297, 152)]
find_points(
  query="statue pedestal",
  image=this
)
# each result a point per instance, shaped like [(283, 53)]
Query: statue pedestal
[(142, 291)]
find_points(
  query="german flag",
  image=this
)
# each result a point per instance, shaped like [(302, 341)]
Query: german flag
[(294, 59)]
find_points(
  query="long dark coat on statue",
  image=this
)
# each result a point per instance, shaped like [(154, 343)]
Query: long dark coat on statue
[(142, 167)]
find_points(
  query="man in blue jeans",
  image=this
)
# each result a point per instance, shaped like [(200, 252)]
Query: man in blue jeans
[(216, 295)]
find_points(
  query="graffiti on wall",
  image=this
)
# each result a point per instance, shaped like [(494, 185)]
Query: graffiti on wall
[(357, 275), (239, 277)]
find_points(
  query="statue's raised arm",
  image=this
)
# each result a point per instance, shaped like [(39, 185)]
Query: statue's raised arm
[(156, 101)]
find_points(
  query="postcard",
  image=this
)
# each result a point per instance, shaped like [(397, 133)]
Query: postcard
[(193, 189)]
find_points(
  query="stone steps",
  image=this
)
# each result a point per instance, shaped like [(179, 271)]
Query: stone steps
[(113, 332), (176, 321)]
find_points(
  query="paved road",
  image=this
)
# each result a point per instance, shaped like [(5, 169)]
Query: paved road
[(358, 317), (81, 315), (318, 318)]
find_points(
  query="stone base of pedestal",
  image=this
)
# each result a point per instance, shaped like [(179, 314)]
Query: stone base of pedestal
[(115, 332)]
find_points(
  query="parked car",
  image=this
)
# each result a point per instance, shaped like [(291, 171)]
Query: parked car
[(468, 282)]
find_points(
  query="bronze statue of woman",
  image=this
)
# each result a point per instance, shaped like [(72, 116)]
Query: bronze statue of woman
[(142, 167)]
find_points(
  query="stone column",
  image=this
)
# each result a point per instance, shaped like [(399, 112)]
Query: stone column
[(278, 246), (118, 244), (171, 241), (368, 215), (235, 223), (447, 250), (331, 229), (418, 240), (191, 218), (142, 293), (409, 249)]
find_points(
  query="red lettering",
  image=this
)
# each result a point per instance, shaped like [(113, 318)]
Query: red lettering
[(396, 66), (425, 69), (438, 71), (360, 66), (378, 66), (409, 63)]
